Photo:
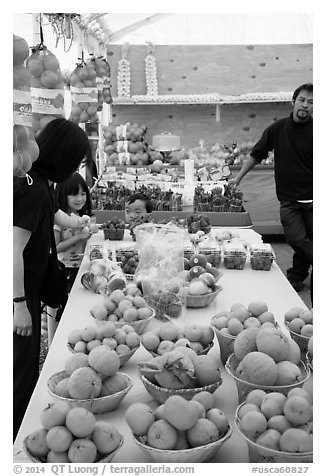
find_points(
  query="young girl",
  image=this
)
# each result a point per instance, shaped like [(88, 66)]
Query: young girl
[(72, 197)]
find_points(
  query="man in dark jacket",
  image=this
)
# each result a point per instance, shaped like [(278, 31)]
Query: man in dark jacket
[(291, 138)]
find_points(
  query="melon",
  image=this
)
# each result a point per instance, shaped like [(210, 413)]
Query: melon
[(104, 360), (112, 385), (245, 342), (258, 368), (274, 343), (84, 383)]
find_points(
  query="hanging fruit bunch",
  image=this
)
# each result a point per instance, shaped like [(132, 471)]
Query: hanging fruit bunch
[(103, 80), (84, 93), (47, 86), (25, 149), (151, 71), (124, 74)]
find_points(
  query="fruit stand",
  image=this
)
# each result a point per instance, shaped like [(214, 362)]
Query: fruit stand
[(269, 286)]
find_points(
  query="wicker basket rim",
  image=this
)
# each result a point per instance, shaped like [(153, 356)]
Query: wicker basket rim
[(97, 399), (295, 333), (179, 390), (267, 387), (196, 449), (132, 351), (277, 452), (103, 456)]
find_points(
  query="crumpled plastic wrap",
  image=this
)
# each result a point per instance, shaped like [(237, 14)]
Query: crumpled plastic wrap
[(160, 268)]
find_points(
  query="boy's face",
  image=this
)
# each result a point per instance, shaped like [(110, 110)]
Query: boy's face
[(134, 210)]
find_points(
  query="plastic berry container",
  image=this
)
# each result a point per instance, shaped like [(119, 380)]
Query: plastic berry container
[(128, 258), (261, 257), (188, 249), (212, 250), (234, 255)]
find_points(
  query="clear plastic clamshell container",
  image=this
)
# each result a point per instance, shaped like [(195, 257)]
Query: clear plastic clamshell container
[(128, 257), (188, 249), (234, 255), (261, 256), (212, 250), (96, 252)]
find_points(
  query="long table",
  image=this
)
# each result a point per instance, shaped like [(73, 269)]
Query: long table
[(237, 286)]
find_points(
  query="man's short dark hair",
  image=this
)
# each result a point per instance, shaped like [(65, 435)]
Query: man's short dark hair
[(144, 198), (306, 87)]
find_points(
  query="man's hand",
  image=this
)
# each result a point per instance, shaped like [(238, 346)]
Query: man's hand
[(22, 320), (233, 182)]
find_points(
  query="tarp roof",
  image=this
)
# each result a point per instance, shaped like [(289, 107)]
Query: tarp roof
[(208, 28)]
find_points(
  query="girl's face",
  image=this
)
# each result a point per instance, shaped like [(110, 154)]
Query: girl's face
[(76, 202)]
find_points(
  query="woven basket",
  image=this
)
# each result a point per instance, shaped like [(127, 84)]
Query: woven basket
[(309, 361), (139, 325), (198, 454), (302, 341), (123, 358), (203, 352), (94, 405), (161, 394), (101, 458), (204, 300), (226, 343), (245, 387), (260, 454)]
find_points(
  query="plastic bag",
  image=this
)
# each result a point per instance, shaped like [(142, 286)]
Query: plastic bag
[(25, 149), (160, 268), (84, 93), (47, 87)]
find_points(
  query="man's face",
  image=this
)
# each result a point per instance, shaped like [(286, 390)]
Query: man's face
[(303, 106), (134, 210)]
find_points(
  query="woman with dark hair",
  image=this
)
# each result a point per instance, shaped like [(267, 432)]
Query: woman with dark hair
[(72, 197), (62, 146)]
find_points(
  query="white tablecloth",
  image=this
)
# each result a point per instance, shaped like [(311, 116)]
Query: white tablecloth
[(237, 286)]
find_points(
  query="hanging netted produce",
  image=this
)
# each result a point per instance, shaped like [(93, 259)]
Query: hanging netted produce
[(25, 149)]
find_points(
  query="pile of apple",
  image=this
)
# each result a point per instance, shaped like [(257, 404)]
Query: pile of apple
[(25, 149), (103, 276), (47, 87), (277, 421), (168, 337), (114, 229), (125, 306), (200, 274), (178, 424), (300, 324), (71, 435), (84, 94), (122, 339), (128, 259), (240, 317), (125, 144), (92, 375)]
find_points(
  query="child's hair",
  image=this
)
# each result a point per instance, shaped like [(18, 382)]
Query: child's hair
[(144, 198), (71, 187)]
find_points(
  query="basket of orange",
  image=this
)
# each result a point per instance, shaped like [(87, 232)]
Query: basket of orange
[(228, 324), (299, 322), (122, 339), (168, 336), (276, 427), (268, 359), (72, 435), (180, 431)]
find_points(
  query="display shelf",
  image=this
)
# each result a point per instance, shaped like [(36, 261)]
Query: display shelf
[(182, 99)]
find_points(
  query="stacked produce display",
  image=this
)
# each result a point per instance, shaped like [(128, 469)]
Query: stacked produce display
[(125, 144)]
